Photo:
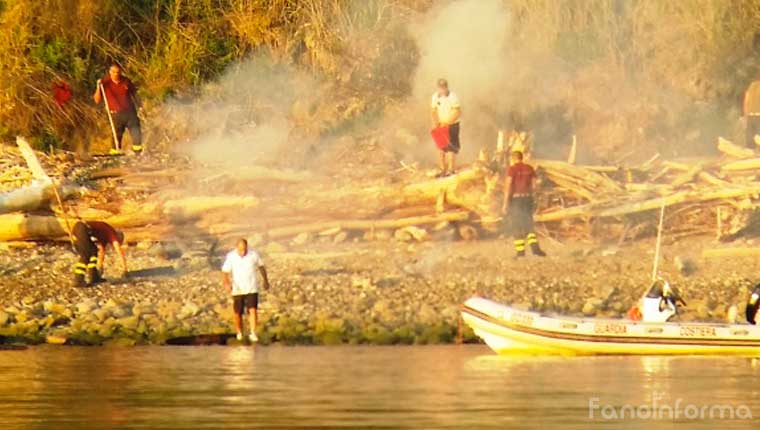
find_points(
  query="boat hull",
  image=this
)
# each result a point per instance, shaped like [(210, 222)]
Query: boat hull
[(511, 331)]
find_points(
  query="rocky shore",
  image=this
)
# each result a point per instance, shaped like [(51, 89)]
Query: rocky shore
[(381, 292)]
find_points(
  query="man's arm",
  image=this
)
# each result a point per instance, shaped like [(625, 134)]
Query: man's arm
[(98, 96), (117, 246), (264, 276), (507, 193), (227, 282), (434, 117)]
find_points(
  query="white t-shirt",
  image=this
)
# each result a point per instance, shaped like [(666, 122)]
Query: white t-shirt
[(242, 270), (445, 106)]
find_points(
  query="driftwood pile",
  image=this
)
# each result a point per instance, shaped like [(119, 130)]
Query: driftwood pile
[(701, 196), (156, 202)]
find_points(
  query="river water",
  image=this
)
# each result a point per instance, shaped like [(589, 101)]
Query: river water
[(356, 387)]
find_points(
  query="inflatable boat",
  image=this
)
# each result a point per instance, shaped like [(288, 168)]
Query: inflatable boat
[(511, 331)]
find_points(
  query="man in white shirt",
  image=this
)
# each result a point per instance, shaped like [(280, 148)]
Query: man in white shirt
[(239, 278), (445, 113)]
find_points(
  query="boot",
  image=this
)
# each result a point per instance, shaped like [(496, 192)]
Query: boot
[(79, 281), (94, 275), (536, 250), (80, 270), (519, 248)]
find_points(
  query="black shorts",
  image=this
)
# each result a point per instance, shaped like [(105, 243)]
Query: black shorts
[(453, 139), (248, 301)]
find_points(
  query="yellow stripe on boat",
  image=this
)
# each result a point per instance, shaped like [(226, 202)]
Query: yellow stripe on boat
[(511, 331)]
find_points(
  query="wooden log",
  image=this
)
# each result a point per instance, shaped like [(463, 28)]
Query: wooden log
[(261, 173), (113, 172), (733, 150), (34, 195), (730, 252), (604, 210), (712, 179), (687, 176), (429, 190), (601, 169), (649, 188), (317, 227), (195, 206), (27, 198), (592, 180), (674, 165), (23, 227), (740, 165), (464, 190), (31, 159)]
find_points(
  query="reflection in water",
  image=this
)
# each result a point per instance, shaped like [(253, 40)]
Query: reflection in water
[(355, 387)]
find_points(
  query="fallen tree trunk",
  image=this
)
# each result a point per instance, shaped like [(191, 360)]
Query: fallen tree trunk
[(469, 190), (735, 166), (195, 206), (260, 173), (27, 198), (20, 227), (600, 211), (382, 224), (731, 149), (730, 252)]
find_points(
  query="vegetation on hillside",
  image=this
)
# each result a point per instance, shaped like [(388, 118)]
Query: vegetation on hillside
[(621, 75), (172, 46)]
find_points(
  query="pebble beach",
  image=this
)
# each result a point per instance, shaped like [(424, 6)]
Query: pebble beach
[(382, 292)]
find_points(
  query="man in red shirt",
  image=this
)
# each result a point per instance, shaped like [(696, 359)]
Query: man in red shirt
[(90, 240), (518, 203), (122, 101)]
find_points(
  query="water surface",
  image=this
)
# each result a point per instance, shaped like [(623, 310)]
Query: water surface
[(430, 387)]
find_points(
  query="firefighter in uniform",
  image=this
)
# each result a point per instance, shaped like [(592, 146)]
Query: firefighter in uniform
[(518, 204), (90, 240)]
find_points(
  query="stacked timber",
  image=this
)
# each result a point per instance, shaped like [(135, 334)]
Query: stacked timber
[(160, 200), (701, 196)]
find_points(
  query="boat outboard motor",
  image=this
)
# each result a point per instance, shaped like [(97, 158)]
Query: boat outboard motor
[(661, 302), (753, 304)]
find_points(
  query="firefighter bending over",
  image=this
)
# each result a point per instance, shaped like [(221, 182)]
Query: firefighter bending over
[(90, 240)]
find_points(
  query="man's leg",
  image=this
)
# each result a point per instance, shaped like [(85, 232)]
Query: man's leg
[(452, 159), (532, 238), (520, 227), (519, 247), (92, 267), (454, 146), (80, 272), (135, 132), (237, 310), (119, 125), (253, 315), (253, 319), (81, 244), (442, 162)]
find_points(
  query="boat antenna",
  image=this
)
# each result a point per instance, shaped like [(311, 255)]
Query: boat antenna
[(659, 242)]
